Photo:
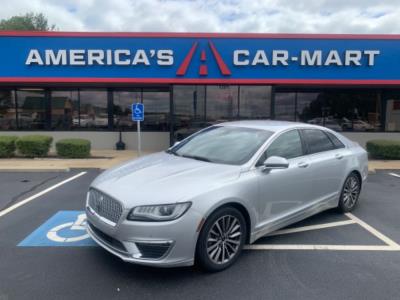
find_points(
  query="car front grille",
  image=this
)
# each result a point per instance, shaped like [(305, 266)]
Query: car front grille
[(105, 206)]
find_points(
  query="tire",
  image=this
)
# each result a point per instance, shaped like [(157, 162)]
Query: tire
[(220, 240), (350, 193)]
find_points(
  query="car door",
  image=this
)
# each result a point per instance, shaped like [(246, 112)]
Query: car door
[(284, 191), (328, 158)]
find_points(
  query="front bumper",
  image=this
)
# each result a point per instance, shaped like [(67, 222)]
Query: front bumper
[(162, 244)]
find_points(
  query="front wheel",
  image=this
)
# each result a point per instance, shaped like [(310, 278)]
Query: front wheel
[(350, 193), (221, 239)]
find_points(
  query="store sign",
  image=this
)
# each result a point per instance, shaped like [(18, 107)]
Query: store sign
[(199, 58)]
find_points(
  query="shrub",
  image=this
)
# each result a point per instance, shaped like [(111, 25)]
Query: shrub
[(73, 148), (7, 146), (384, 149), (34, 145)]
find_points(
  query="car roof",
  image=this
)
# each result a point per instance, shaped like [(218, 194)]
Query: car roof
[(270, 125)]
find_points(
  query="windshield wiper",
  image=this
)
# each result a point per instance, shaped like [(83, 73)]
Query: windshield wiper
[(197, 157)]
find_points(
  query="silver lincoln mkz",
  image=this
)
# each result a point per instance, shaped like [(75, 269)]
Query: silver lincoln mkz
[(227, 185)]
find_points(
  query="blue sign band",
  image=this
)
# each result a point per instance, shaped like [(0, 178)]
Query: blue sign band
[(224, 59)]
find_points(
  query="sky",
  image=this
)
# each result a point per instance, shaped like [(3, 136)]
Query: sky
[(269, 16)]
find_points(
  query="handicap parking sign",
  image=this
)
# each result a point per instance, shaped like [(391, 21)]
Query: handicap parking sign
[(137, 112), (65, 228)]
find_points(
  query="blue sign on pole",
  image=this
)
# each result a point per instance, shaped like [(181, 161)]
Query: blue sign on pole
[(137, 112)]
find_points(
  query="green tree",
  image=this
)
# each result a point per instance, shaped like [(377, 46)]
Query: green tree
[(29, 21)]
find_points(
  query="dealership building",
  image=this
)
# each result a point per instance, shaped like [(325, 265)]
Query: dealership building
[(67, 84)]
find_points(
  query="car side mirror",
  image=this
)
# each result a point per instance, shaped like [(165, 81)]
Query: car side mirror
[(176, 143), (275, 162)]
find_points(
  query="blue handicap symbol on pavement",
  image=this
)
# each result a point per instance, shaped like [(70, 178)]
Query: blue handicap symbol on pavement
[(66, 228), (137, 112)]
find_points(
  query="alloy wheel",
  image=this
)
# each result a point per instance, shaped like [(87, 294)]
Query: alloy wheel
[(351, 191), (224, 238)]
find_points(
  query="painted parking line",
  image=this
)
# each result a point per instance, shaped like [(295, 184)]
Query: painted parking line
[(68, 229), (29, 199), (390, 244), (373, 231), (395, 175), (321, 247), (312, 227)]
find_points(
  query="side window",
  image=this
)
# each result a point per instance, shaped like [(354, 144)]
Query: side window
[(317, 141), (287, 145), (338, 144)]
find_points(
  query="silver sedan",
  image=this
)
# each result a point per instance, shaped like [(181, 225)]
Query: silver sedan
[(227, 185)]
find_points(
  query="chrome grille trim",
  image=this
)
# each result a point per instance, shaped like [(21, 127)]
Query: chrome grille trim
[(106, 208)]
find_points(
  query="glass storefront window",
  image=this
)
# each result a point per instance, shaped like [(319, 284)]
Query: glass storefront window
[(93, 109), (156, 110), (393, 115), (222, 103), (31, 109), (7, 110), (64, 109), (255, 102), (335, 109), (354, 110), (197, 107), (310, 108), (285, 106), (189, 107), (122, 108)]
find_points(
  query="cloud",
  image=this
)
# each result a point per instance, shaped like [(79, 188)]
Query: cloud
[(289, 16)]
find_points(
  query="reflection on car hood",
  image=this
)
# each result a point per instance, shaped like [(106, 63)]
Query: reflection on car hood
[(163, 178)]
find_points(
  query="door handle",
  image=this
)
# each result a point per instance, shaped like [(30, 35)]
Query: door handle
[(303, 164), (339, 156)]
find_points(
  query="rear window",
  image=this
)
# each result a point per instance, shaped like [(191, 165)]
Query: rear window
[(317, 141), (338, 144)]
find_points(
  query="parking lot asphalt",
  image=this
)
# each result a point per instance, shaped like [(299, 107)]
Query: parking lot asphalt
[(89, 272)]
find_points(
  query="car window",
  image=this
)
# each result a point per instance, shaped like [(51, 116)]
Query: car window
[(338, 144), (317, 141), (287, 145)]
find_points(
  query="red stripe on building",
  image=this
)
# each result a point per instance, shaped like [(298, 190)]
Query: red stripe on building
[(203, 71), (185, 64), (202, 35), (343, 82), (203, 55), (221, 64)]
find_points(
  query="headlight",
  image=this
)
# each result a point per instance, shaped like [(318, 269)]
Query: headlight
[(158, 213)]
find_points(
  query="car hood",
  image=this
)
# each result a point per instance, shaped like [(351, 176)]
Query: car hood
[(163, 178)]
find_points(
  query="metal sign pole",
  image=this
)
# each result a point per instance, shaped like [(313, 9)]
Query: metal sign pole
[(139, 139), (138, 116)]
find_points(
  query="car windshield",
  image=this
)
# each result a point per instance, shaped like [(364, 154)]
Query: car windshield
[(222, 144)]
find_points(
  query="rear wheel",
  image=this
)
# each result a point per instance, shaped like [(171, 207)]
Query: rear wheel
[(221, 239), (350, 193)]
